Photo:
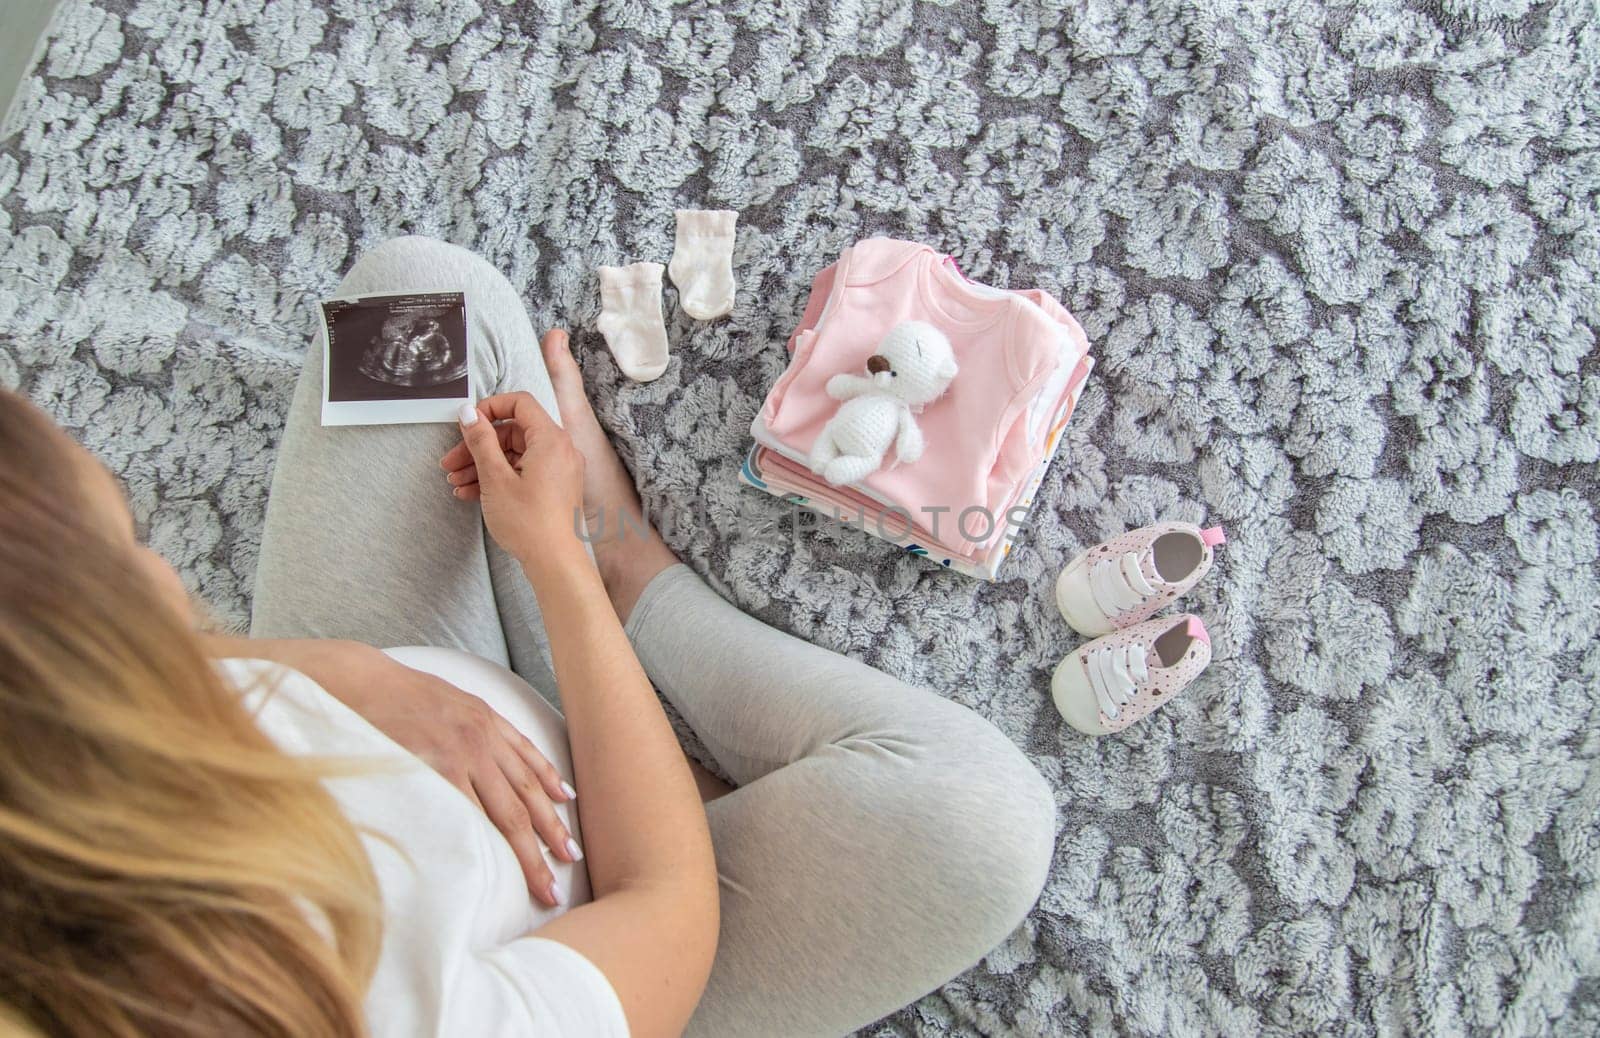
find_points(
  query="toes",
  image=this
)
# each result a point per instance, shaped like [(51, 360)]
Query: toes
[(558, 353), (567, 380), (559, 361)]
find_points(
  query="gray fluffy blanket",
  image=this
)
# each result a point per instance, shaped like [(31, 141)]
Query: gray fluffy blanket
[(1339, 262)]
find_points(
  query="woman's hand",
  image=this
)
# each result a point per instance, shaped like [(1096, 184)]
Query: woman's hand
[(524, 471), (480, 753)]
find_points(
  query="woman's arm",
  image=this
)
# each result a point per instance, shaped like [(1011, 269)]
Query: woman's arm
[(652, 928)]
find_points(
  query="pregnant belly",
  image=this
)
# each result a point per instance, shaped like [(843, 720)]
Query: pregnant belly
[(518, 702)]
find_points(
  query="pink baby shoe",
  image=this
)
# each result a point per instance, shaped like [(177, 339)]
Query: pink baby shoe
[(1126, 579), (1110, 683)]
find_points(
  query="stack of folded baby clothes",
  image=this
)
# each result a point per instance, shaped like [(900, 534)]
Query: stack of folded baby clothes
[(1022, 362)]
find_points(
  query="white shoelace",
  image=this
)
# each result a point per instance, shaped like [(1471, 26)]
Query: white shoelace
[(1118, 584), (1115, 675)]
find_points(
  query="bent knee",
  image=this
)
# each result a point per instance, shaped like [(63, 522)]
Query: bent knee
[(1018, 829), (415, 263), (421, 263), (988, 822), (416, 254)]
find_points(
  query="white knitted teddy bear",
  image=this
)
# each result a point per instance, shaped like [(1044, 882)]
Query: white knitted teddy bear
[(913, 367)]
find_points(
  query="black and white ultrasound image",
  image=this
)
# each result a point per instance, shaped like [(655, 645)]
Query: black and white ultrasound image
[(399, 347)]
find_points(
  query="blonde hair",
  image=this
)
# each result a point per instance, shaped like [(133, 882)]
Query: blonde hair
[(164, 868)]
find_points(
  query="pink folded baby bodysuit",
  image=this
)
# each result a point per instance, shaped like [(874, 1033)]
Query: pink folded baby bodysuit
[(986, 434)]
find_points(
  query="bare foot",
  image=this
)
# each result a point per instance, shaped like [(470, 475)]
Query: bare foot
[(627, 549)]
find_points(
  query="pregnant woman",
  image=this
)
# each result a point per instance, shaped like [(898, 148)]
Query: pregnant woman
[(298, 834)]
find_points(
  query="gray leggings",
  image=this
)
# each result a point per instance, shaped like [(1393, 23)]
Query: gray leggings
[(882, 838)]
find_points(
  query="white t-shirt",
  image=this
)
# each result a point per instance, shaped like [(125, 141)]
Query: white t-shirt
[(456, 956)]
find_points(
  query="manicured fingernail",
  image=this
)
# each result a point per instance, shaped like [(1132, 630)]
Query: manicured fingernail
[(468, 415), (572, 794), (555, 892), (572, 850)]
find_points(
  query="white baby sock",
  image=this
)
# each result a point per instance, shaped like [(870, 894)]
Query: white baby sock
[(630, 319), (702, 262)]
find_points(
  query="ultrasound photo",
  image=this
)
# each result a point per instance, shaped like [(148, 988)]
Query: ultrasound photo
[(395, 358)]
